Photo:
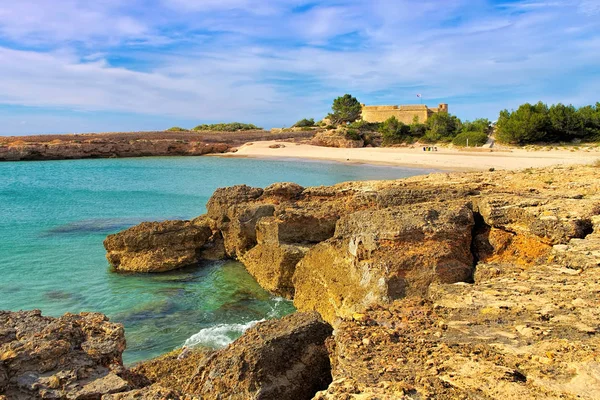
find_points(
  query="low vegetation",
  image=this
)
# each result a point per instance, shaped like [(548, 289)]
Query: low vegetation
[(177, 129), (304, 123), (227, 127)]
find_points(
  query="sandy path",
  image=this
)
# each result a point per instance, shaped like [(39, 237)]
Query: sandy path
[(443, 158)]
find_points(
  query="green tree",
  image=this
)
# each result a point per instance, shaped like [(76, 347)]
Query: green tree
[(442, 126), (590, 118), (566, 123), (481, 125), (345, 109), (417, 129), (528, 124), (394, 131)]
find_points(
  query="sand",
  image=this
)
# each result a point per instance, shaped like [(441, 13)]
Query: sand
[(444, 158)]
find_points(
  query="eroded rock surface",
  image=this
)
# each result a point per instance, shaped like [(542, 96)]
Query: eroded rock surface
[(71, 357), (158, 246), (335, 138), (279, 360), (378, 256)]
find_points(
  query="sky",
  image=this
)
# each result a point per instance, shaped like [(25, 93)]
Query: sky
[(117, 65)]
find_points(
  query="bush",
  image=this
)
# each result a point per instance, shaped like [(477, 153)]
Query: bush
[(177, 129), (394, 132), (365, 126), (345, 109), (418, 130), (352, 134), (474, 138), (227, 127), (304, 123)]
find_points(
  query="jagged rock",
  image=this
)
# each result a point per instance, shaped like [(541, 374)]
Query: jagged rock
[(378, 256), (284, 190), (74, 356), (282, 242), (153, 392), (273, 266), (279, 360), (158, 246), (174, 370)]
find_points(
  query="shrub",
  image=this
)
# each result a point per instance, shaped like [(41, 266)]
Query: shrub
[(365, 126), (345, 109), (474, 138), (177, 129), (227, 127), (303, 123), (418, 130), (352, 134)]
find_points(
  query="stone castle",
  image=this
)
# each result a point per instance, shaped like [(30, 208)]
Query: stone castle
[(405, 114)]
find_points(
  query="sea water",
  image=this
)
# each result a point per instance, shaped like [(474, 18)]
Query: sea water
[(54, 216)]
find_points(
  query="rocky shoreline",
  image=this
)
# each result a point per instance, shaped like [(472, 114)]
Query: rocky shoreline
[(446, 286), (131, 144)]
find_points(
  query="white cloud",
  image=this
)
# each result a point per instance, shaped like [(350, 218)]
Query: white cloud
[(247, 60)]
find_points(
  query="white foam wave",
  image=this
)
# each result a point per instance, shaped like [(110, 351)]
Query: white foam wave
[(219, 335)]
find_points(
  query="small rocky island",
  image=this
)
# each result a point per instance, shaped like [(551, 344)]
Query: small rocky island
[(446, 286)]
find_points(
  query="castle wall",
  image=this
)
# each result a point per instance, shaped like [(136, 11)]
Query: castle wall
[(405, 114)]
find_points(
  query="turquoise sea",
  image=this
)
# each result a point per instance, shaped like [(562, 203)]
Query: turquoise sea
[(54, 216)]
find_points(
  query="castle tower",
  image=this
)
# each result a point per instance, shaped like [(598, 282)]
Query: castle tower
[(443, 107)]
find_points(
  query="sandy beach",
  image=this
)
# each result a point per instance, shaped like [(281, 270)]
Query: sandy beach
[(444, 158)]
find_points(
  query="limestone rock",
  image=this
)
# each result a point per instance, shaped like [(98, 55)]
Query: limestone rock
[(157, 246), (74, 356), (335, 138), (279, 359), (284, 190), (378, 256), (174, 370), (273, 266), (154, 392)]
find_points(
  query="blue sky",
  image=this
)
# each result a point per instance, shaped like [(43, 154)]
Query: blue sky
[(108, 65)]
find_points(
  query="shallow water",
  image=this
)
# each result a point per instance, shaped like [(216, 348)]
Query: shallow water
[(54, 216)]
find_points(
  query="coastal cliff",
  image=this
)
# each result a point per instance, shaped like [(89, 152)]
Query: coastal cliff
[(445, 286), (130, 144)]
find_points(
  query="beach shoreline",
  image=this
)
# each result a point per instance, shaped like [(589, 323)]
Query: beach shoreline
[(444, 158)]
